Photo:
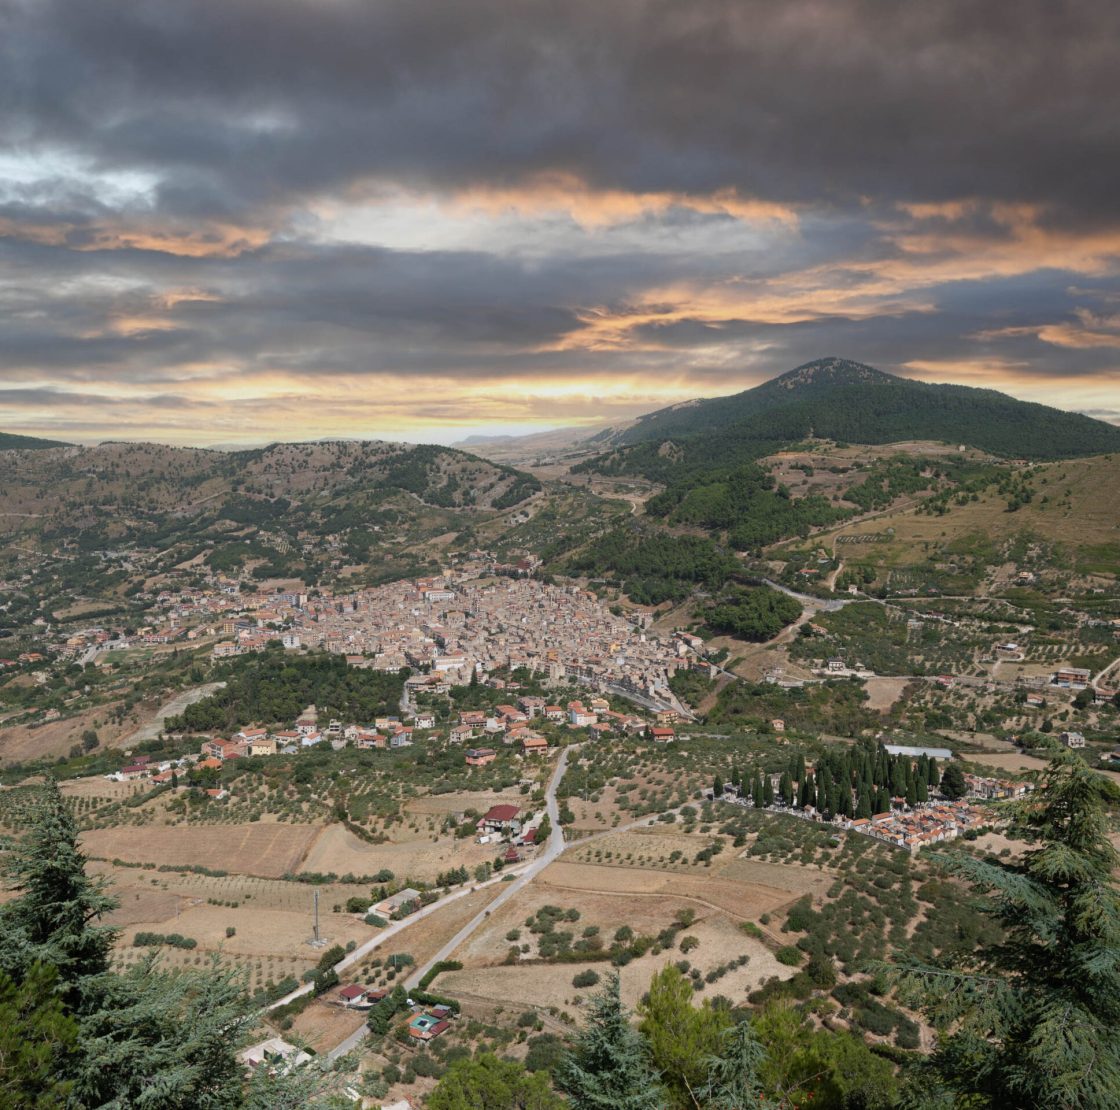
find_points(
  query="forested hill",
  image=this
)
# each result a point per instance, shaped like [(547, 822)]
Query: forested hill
[(291, 510), (11, 442), (837, 399)]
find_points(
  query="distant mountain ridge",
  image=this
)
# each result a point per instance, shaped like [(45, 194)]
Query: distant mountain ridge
[(9, 441), (836, 398)]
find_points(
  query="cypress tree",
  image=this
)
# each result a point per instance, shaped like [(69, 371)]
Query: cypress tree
[(1034, 1023), (863, 807), (807, 795), (785, 788), (768, 791)]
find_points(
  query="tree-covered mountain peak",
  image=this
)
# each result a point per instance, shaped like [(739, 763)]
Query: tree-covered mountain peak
[(831, 371)]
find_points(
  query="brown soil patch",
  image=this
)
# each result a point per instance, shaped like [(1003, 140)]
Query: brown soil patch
[(323, 1026), (99, 787), (339, 851), (882, 693), (481, 800), (144, 905), (427, 936), (257, 849), (20, 743)]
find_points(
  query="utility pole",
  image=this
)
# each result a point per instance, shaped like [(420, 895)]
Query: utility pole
[(315, 941)]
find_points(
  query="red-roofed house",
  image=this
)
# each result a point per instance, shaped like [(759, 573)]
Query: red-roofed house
[(501, 819)]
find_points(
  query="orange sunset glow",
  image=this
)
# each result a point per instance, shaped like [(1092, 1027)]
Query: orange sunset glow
[(412, 222)]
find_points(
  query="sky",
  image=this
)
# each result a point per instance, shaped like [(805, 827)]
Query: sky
[(234, 221)]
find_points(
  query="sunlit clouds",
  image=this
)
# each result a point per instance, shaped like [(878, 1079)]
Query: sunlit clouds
[(286, 219)]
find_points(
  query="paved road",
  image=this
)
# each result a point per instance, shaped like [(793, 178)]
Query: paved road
[(524, 876), (554, 848)]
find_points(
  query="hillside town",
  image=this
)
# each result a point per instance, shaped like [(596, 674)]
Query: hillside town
[(447, 628)]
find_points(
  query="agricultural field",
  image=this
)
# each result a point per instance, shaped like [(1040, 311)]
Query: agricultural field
[(489, 973), (266, 849)]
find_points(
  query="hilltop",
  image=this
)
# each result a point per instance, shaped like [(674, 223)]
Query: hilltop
[(837, 399)]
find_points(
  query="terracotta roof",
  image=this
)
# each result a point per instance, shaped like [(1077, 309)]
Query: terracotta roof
[(501, 813)]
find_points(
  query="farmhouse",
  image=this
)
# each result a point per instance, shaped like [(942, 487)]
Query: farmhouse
[(426, 1026), (661, 735), (1073, 739), (503, 819), (353, 996), (479, 757), (1072, 677)]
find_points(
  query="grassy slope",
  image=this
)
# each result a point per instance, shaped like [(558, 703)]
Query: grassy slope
[(1084, 521)]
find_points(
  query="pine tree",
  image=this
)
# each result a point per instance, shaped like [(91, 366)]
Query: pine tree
[(607, 1068), (952, 782), (37, 1038), (54, 920), (147, 1038), (485, 1081), (1035, 1022), (681, 1037), (732, 1082)]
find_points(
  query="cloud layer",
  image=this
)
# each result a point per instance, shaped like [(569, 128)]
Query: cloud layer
[(251, 219)]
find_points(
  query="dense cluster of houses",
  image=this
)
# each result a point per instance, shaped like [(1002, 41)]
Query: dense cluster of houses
[(913, 827), (917, 828), (469, 621)]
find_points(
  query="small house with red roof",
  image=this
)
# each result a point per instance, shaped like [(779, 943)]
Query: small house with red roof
[(502, 819)]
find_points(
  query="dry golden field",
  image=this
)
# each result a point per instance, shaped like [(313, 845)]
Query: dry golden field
[(260, 848)]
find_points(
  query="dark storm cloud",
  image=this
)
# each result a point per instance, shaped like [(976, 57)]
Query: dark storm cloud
[(239, 105), (703, 193)]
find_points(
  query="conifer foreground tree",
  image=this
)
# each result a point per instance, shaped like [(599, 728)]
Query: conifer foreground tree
[(682, 1038), (1034, 1023), (74, 1033), (607, 1068)]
